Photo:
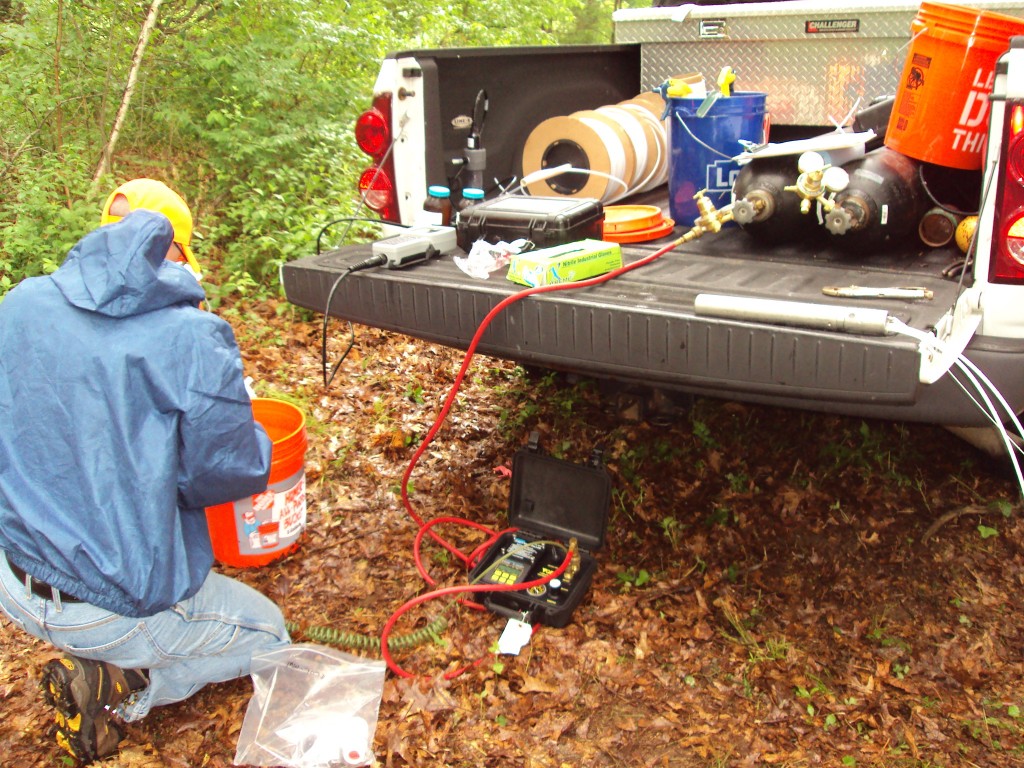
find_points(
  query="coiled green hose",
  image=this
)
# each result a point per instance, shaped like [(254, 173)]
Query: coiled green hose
[(361, 642)]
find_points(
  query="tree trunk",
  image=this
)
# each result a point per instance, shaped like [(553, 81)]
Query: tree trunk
[(59, 113), (129, 89)]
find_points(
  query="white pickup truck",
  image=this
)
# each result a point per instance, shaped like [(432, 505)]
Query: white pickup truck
[(726, 315)]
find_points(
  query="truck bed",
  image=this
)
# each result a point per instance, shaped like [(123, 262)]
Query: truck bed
[(642, 327)]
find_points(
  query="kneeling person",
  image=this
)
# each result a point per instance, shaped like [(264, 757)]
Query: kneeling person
[(123, 415)]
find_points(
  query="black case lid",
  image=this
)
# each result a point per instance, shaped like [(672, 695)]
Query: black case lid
[(545, 221), (559, 499), (533, 208)]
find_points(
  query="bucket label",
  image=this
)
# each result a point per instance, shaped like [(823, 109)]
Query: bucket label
[(293, 509), (909, 100), (972, 126), (273, 519), (967, 136), (721, 177)]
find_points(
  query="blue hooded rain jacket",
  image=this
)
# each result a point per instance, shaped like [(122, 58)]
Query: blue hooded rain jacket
[(123, 414)]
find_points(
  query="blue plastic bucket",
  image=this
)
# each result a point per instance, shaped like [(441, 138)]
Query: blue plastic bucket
[(703, 148)]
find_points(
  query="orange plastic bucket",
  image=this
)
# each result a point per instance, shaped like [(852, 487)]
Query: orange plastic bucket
[(260, 528), (941, 111)]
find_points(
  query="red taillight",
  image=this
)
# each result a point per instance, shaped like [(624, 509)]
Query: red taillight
[(1017, 120), (373, 127), (373, 135), (378, 190), (1007, 262), (372, 132), (1015, 240)]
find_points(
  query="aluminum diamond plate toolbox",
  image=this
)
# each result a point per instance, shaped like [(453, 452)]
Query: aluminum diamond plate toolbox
[(813, 59)]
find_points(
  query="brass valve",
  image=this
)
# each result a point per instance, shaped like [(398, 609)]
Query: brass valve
[(818, 182), (710, 220), (574, 564)]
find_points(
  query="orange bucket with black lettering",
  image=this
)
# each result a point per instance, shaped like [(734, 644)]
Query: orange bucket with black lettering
[(265, 526), (941, 110)]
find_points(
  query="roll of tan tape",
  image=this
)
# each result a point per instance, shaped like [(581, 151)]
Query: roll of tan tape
[(650, 101), (638, 138), (625, 141), (621, 153), (560, 140), (655, 106), (657, 144)]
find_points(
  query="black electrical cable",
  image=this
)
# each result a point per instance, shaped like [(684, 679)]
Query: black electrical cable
[(480, 107), (960, 268), (351, 220), (362, 265), (373, 261), (323, 336), (935, 201)]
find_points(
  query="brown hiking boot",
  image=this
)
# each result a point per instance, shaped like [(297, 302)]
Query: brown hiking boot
[(82, 692)]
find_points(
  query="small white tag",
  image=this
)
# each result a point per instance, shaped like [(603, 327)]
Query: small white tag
[(515, 635)]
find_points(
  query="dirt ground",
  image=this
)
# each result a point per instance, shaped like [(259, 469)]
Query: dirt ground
[(775, 588)]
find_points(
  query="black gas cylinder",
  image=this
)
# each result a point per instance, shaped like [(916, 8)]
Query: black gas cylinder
[(882, 203), (763, 207)]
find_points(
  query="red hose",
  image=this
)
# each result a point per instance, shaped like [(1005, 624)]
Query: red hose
[(427, 528), (458, 589)]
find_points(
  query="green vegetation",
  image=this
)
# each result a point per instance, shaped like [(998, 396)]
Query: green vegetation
[(632, 578), (870, 453), (245, 107)]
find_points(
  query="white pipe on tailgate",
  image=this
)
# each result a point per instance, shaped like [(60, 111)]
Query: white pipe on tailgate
[(828, 317)]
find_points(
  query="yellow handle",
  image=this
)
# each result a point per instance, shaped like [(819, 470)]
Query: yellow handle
[(725, 80), (677, 89)]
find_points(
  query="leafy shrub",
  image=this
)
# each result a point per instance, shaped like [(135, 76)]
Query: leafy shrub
[(45, 215), (245, 108)]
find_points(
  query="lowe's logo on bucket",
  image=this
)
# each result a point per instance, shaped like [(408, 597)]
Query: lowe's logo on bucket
[(721, 176)]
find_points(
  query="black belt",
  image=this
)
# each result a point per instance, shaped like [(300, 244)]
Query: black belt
[(40, 588)]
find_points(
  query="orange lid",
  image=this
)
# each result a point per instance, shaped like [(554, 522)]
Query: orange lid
[(630, 218), (641, 235)]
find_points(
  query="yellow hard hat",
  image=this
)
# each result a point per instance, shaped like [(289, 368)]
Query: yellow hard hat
[(154, 195)]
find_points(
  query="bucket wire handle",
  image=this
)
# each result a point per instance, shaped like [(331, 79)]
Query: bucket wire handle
[(699, 141), (911, 41)]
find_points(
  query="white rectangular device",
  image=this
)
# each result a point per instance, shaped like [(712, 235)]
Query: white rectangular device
[(415, 245)]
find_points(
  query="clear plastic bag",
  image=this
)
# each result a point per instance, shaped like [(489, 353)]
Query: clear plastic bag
[(312, 707), (484, 258)]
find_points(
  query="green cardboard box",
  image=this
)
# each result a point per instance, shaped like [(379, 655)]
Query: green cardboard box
[(566, 263)]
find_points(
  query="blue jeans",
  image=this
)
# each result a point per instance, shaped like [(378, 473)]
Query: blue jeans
[(209, 638)]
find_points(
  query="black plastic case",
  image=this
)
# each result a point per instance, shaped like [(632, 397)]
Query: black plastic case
[(545, 221), (551, 500)]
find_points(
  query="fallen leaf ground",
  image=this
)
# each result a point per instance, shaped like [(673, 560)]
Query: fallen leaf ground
[(776, 588)]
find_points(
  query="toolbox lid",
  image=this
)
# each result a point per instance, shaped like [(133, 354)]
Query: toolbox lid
[(558, 499)]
